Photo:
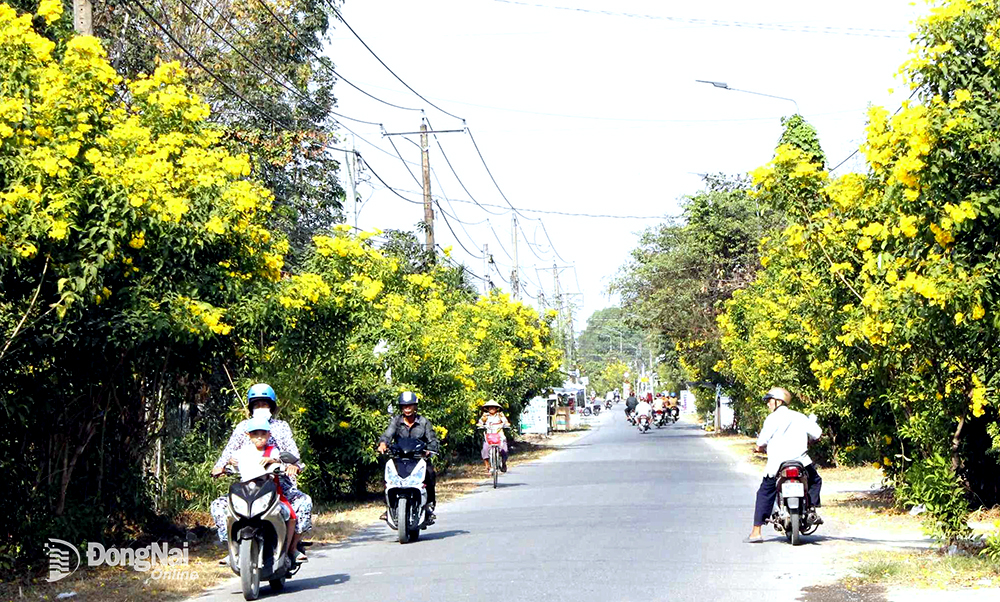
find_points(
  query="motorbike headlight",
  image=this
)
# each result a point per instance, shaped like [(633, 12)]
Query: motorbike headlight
[(239, 505), (261, 504)]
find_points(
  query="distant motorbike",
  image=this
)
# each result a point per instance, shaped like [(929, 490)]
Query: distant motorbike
[(643, 423), (405, 491), (607, 404), (792, 514)]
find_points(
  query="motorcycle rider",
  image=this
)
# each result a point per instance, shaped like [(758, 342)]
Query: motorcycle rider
[(644, 408), (410, 424), (785, 435), (630, 404), (262, 403)]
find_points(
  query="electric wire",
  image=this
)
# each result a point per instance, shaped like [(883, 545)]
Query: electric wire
[(229, 88), (405, 164), (455, 236), (847, 31), (256, 66), (446, 215), (458, 265), (325, 62), (251, 62), (367, 47), (497, 236)]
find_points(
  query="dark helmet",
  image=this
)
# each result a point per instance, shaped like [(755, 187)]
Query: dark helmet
[(407, 398), (263, 391)]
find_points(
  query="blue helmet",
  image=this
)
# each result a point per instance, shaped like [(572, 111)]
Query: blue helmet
[(262, 391)]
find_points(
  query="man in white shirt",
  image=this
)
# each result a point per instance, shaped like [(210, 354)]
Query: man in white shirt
[(643, 407), (785, 435)]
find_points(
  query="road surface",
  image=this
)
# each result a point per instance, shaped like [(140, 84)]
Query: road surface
[(615, 516)]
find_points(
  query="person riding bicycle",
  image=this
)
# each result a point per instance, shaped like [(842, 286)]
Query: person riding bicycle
[(410, 424), (494, 421), (785, 436)]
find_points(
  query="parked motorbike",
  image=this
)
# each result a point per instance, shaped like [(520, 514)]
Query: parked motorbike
[(257, 532), (405, 491), (792, 514), (643, 423)]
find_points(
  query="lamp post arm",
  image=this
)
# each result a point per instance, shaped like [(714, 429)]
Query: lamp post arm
[(791, 100)]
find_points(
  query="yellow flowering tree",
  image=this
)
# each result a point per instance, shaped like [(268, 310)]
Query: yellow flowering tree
[(127, 235), (360, 325), (878, 300)]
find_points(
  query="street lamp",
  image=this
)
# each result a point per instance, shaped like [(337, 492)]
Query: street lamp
[(725, 86)]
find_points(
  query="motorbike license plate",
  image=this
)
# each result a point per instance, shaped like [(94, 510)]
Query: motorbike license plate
[(792, 489)]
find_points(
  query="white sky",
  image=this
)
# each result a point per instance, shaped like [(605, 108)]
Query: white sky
[(595, 113)]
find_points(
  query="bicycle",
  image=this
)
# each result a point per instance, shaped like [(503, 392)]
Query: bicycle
[(495, 441)]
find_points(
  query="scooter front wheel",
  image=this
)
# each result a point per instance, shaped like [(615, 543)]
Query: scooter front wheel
[(249, 569), (403, 520)]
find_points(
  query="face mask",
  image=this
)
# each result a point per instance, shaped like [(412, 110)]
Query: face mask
[(264, 413)]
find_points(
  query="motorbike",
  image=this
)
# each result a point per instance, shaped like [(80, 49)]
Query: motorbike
[(630, 416), (643, 423), (660, 418), (791, 514), (257, 532), (607, 404), (597, 409), (405, 491)]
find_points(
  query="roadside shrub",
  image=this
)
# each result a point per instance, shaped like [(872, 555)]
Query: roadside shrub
[(933, 484)]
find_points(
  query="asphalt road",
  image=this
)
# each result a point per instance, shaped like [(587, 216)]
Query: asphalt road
[(615, 516)]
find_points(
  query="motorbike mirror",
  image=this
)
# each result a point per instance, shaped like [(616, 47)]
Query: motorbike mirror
[(288, 458)]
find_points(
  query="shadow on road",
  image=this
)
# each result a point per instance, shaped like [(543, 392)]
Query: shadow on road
[(315, 582), (432, 535)]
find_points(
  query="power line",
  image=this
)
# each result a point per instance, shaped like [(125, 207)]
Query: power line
[(831, 30), (325, 62), (367, 47), (497, 236), (447, 223), (208, 71)]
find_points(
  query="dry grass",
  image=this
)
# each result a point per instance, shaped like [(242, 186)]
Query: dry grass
[(928, 570), (122, 584), (331, 523)]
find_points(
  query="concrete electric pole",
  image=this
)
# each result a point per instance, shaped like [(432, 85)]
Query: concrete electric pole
[(83, 20)]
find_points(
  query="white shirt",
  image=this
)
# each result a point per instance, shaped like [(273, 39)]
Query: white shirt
[(643, 408), (786, 433)]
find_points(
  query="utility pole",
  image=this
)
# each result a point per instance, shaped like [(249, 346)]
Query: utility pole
[(486, 269), (350, 178), (83, 20), (515, 285), (425, 160), (557, 291)]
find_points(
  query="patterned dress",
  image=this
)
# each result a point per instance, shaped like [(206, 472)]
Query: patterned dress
[(281, 438)]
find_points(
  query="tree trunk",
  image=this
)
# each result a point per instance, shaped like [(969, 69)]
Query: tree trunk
[(956, 440), (69, 463)]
